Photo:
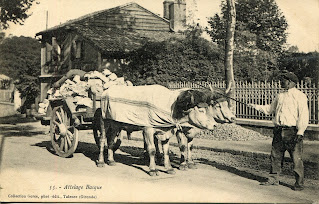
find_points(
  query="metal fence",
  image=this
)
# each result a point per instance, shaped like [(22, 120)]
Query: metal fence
[(259, 93)]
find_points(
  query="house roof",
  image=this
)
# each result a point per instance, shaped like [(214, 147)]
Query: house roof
[(119, 29), (96, 14), (116, 40)]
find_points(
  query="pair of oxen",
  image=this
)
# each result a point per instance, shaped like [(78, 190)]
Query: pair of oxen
[(160, 113)]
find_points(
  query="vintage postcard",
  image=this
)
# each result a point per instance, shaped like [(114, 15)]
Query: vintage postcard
[(133, 104)]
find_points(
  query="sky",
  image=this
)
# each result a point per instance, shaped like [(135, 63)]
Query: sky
[(302, 16)]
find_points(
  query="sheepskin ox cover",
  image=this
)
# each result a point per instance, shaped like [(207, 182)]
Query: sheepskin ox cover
[(147, 106)]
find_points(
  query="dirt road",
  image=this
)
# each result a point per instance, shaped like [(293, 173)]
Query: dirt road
[(30, 172)]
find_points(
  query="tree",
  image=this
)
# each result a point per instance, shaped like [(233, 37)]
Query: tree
[(20, 60), (260, 31), (2, 35), (229, 49), (14, 11), (292, 49), (262, 19), (302, 64)]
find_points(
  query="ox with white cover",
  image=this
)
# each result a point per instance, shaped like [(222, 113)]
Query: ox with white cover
[(154, 109)]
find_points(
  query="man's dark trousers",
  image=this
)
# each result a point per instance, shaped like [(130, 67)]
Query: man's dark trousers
[(285, 139)]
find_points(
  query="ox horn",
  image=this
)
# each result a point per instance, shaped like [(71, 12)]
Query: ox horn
[(228, 87)]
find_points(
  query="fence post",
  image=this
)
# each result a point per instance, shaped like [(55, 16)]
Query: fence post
[(316, 93)]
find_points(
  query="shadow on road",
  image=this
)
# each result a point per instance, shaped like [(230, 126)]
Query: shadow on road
[(89, 150), (231, 169), (14, 119), (241, 173), (133, 156), (136, 156), (19, 131), (47, 145)]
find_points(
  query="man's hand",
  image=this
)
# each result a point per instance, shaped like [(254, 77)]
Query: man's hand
[(298, 138)]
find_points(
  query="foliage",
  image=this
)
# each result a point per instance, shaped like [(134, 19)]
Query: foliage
[(189, 59), (2, 35), (20, 60), (260, 37), (258, 23), (304, 65), (14, 11)]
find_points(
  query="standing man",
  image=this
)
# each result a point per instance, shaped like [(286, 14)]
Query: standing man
[(291, 117)]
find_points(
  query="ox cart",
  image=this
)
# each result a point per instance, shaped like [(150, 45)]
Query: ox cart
[(66, 119)]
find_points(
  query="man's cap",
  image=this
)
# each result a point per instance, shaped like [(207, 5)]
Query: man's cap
[(289, 75)]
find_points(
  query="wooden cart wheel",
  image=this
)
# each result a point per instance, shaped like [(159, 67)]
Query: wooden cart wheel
[(64, 136)]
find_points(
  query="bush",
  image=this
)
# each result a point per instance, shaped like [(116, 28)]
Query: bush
[(188, 59)]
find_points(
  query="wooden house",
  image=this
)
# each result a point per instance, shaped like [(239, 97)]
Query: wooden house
[(104, 38)]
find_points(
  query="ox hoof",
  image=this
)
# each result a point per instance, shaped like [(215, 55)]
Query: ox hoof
[(100, 164), (111, 163), (170, 171), (183, 167), (192, 166), (153, 172)]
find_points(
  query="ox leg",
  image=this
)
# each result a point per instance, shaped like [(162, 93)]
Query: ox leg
[(182, 142), (145, 152), (167, 163), (159, 152), (190, 162), (148, 135), (111, 145), (104, 128), (159, 156), (117, 141)]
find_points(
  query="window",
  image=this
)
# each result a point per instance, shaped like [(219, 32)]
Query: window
[(79, 50)]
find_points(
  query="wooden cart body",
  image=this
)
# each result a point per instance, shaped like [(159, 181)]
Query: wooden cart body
[(66, 119)]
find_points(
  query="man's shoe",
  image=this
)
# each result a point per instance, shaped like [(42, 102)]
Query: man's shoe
[(298, 188), (269, 183)]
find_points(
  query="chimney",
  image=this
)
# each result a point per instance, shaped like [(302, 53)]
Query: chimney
[(175, 12), (166, 5)]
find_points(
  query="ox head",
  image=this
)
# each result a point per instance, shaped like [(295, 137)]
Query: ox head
[(192, 106), (219, 106)]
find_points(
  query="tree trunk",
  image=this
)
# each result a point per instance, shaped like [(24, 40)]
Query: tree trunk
[(229, 51)]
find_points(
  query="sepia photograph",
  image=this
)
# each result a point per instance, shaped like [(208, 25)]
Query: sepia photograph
[(163, 101)]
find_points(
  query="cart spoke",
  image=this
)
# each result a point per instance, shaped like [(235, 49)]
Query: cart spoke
[(65, 144), (62, 144), (66, 119), (59, 116), (56, 123), (62, 114), (70, 134), (68, 140)]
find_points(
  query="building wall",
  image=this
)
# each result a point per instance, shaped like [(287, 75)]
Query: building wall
[(88, 60), (6, 109)]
